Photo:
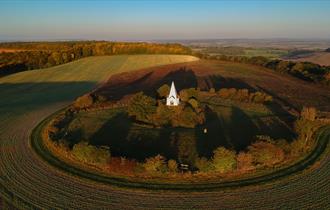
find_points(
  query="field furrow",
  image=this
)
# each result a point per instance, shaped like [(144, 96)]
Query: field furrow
[(29, 97)]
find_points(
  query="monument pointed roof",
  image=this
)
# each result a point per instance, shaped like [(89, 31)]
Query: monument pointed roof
[(173, 91)]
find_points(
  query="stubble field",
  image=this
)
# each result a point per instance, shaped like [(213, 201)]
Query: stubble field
[(27, 180)]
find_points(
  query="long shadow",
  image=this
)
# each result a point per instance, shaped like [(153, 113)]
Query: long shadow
[(113, 133), (284, 116), (115, 90), (211, 138), (183, 78), (183, 141), (18, 98), (241, 129), (133, 142), (217, 81), (149, 82)]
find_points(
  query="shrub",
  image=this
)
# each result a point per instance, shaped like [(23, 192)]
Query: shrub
[(186, 147), (204, 165), (180, 116), (84, 101), (265, 153), (224, 93), (172, 166), (224, 160), (155, 164), (91, 154), (194, 103), (244, 161), (186, 94), (242, 95), (232, 92), (100, 98), (308, 113)]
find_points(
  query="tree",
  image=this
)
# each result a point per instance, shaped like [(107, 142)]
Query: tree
[(57, 58), (163, 115), (142, 107), (224, 160), (163, 91), (305, 130)]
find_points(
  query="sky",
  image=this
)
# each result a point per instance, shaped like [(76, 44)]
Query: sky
[(160, 19)]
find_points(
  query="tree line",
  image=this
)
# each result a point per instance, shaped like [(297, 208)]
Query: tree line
[(303, 70), (38, 55)]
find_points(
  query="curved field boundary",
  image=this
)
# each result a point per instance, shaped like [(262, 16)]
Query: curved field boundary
[(25, 93), (30, 182), (323, 137)]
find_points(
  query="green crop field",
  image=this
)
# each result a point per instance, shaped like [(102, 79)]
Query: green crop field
[(63, 83), (31, 183), (28, 97)]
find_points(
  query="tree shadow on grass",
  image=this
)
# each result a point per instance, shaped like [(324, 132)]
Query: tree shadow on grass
[(241, 129), (113, 133), (214, 136), (132, 141), (286, 119)]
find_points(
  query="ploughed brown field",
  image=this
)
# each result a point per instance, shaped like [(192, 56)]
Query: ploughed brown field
[(321, 58), (287, 91), (4, 50)]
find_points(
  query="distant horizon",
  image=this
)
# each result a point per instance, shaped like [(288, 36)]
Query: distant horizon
[(170, 40), (163, 20)]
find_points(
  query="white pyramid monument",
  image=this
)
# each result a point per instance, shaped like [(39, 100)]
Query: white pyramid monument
[(172, 99)]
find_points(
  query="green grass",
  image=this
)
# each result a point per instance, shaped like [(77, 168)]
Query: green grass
[(111, 127), (322, 144)]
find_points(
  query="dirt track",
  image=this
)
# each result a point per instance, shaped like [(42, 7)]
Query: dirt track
[(33, 180)]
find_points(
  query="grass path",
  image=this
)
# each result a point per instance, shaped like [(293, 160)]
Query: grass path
[(28, 97)]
